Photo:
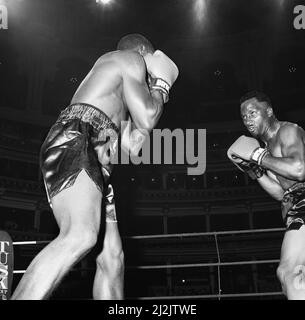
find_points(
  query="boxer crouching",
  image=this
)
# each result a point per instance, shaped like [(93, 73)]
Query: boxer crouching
[(75, 161)]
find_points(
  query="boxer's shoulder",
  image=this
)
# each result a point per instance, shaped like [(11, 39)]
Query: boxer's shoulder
[(288, 129), (132, 59), (121, 56), (123, 62), (132, 63)]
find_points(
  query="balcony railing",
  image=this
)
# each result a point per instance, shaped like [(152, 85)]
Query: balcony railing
[(21, 188)]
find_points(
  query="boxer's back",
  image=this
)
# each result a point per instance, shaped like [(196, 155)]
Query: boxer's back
[(102, 87)]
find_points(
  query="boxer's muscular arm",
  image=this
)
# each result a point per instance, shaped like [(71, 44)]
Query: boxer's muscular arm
[(132, 140), (292, 163), (145, 107), (270, 185)]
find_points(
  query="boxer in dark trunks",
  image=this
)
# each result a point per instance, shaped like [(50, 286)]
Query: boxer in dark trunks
[(130, 84), (280, 169), (293, 206), (65, 152)]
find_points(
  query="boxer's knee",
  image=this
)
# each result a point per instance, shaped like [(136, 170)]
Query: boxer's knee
[(77, 242), (281, 273), (291, 276)]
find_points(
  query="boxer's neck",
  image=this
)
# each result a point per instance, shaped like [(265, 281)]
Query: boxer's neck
[(271, 130)]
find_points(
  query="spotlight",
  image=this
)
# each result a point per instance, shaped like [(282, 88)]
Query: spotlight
[(103, 1), (200, 13)]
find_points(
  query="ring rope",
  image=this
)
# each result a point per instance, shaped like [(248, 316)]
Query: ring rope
[(218, 263), (218, 267), (173, 235), (224, 295), (213, 264), (19, 243), (198, 234), (219, 295), (190, 265)]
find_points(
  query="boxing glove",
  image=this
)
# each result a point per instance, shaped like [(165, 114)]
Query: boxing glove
[(246, 148), (163, 72)]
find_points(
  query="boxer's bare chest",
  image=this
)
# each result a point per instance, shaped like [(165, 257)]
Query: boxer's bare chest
[(275, 149)]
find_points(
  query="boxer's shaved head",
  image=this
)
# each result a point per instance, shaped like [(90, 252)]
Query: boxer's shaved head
[(259, 96), (256, 112), (258, 100), (135, 41)]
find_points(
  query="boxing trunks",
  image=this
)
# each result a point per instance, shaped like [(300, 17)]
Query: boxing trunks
[(293, 206), (73, 144)]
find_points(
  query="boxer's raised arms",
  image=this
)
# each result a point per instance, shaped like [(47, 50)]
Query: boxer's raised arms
[(275, 156), (131, 83)]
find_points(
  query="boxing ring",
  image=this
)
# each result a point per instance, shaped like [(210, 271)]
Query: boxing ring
[(217, 264)]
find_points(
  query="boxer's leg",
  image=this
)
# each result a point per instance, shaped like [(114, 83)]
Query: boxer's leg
[(109, 277), (77, 211), (291, 270)]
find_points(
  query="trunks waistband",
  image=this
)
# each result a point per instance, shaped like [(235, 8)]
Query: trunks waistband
[(88, 113)]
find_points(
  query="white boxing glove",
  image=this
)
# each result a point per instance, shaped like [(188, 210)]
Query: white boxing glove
[(246, 148), (163, 72)]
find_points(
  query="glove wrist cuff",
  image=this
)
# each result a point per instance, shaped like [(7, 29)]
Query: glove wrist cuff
[(160, 84), (258, 154)]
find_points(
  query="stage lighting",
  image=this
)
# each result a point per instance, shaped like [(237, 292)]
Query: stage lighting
[(103, 1), (200, 12)]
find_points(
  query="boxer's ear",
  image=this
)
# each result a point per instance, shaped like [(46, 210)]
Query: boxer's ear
[(269, 112), (148, 79), (142, 50)]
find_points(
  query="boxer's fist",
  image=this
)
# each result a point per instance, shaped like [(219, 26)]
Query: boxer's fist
[(163, 72), (246, 148)]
